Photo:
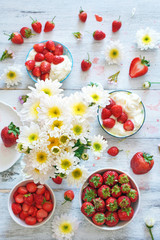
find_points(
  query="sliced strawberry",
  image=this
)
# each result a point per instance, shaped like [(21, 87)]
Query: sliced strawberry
[(31, 187), (30, 64), (47, 195), (39, 220), (39, 206), (45, 67), (57, 60), (58, 50), (47, 206), (16, 208), (138, 67), (128, 125), (106, 113), (39, 198), (39, 47), (28, 198), (36, 71), (22, 190), (49, 57), (30, 220), (109, 122), (116, 110), (42, 213), (123, 118), (25, 207), (19, 198), (31, 210), (39, 57), (44, 76), (41, 190), (23, 215)]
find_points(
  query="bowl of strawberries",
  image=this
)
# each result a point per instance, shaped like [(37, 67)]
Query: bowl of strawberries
[(49, 60), (123, 116), (109, 199), (31, 205)]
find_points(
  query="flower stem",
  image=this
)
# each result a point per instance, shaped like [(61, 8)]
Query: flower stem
[(155, 82), (64, 202), (150, 231)]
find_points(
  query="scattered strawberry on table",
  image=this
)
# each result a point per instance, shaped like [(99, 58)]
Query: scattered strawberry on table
[(36, 25), (139, 67), (142, 163), (16, 38), (32, 203), (98, 18), (116, 25), (68, 196), (108, 198), (82, 15), (86, 64), (9, 135), (57, 180), (49, 26), (99, 35), (26, 32), (113, 151)]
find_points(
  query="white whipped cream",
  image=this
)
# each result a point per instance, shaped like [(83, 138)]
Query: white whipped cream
[(132, 106), (59, 71)]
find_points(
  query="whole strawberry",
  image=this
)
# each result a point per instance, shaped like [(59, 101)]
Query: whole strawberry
[(9, 135), (49, 26), (123, 178), (99, 35), (99, 204), (113, 151), (96, 180), (26, 32), (68, 196), (128, 125), (109, 122), (111, 204), (123, 202), (57, 60), (89, 194), (30, 64), (116, 110), (123, 118), (133, 195), (106, 113), (111, 219), (125, 188), (57, 180), (37, 26), (36, 71), (45, 67), (116, 25), (104, 192), (88, 209), (125, 214), (58, 49), (110, 178), (39, 47), (82, 15), (16, 38), (142, 163), (98, 219), (116, 191), (86, 64)]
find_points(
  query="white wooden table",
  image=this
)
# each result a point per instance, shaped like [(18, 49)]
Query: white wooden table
[(13, 16)]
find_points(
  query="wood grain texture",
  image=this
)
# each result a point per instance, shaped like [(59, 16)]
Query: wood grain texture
[(14, 15)]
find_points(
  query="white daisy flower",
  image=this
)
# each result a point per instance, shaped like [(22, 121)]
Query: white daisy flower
[(64, 227), (65, 162), (149, 221), (12, 75), (56, 127), (22, 148), (77, 175), (98, 145), (55, 150), (114, 52), (147, 38)]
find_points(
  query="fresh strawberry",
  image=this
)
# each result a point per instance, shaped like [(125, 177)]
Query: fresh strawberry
[(110, 178), (40, 189), (99, 204), (125, 214), (37, 26), (111, 103), (38, 206), (99, 35), (22, 190), (31, 187), (68, 196), (31, 210), (49, 26), (16, 38), (88, 209), (58, 50), (142, 163), (30, 65), (47, 195), (15, 194), (111, 219), (50, 45), (44, 76), (49, 57), (25, 207), (45, 51), (125, 188), (124, 202), (26, 32), (106, 113), (133, 195), (113, 151), (109, 122), (30, 220), (45, 67), (128, 125), (39, 220), (82, 15), (123, 178), (39, 198), (116, 191), (57, 59), (39, 47), (28, 198), (19, 198), (98, 18), (98, 219), (39, 57), (9, 135), (36, 71), (48, 206), (23, 215), (96, 180), (86, 64), (138, 67), (16, 208), (34, 214), (104, 192), (111, 204), (116, 25), (89, 194), (57, 180), (116, 110), (42, 213), (123, 118)]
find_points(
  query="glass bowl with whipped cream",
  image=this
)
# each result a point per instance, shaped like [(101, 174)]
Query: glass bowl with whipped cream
[(60, 61), (123, 116)]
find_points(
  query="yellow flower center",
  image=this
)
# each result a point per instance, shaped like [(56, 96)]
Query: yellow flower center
[(11, 75), (77, 173), (97, 146), (79, 109), (65, 163), (114, 53), (36, 170), (146, 39), (65, 227), (47, 91), (64, 139), (53, 142), (34, 111), (57, 124), (41, 157), (95, 97), (77, 129), (54, 112), (55, 150), (32, 137)]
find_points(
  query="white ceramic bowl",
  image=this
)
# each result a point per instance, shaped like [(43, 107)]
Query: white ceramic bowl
[(135, 205), (16, 218)]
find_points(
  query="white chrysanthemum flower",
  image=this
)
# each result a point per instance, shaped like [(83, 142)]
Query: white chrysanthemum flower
[(56, 127), (98, 145), (47, 87), (77, 175), (12, 75), (149, 221), (95, 94), (147, 38), (65, 162), (22, 148), (64, 227), (114, 52)]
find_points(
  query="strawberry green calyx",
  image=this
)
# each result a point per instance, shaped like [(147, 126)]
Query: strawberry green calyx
[(97, 203), (126, 187), (110, 180), (44, 200), (113, 206), (28, 33), (95, 180), (106, 192), (89, 195), (111, 218), (147, 157), (124, 203), (124, 179), (11, 36), (132, 193), (88, 60), (145, 62), (53, 19), (100, 217), (81, 10), (78, 35), (27, 195), (89, 209), (13, 129), (127, 210), (116, 189)]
